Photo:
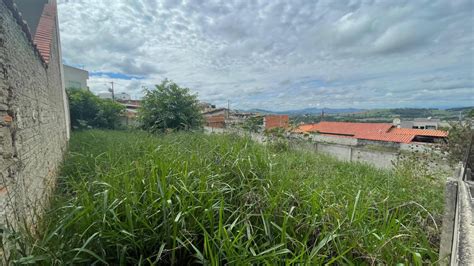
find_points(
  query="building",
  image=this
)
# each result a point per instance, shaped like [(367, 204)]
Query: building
[(216, 117), (75, 77), (34, 113), (222, 117), (105, 95), (421, 123), (276, 121), (130, 116), (374, 132), (122, 96), (206, 107)]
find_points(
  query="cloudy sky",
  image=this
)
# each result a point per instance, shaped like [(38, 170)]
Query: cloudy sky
[(279, 55)]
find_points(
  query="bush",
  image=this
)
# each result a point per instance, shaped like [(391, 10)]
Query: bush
[(169, 107), (88, 110), (460, 135)]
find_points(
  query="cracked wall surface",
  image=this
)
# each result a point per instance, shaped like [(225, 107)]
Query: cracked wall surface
[(33, 129)]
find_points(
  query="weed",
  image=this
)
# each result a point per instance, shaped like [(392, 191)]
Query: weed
[(182, 198)]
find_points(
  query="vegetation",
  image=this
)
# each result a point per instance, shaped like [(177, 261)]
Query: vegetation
[(460, 135), (169, 106), (253, 124), (133, 198), (88, 110)]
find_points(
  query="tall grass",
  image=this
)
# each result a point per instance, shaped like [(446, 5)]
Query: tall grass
[(133, 198)]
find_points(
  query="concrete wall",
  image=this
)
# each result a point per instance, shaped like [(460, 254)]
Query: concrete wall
[(381, 159), (335, 140), (457, 236), (33, 119), (341, 152), (75, 77)]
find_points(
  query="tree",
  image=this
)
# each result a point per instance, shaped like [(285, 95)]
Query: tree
[(109, 114), (253, 124), (169, 106), (471, 113), (88, 110)]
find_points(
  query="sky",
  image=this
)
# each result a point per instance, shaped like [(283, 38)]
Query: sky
[(278, 55)]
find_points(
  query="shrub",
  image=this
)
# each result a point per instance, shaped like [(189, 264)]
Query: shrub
[(88, 110), (169, 106), (460, 135)]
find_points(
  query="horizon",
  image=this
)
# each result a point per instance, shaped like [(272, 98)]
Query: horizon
[(291, 55)]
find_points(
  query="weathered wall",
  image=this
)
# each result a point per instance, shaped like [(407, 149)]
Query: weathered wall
[(335, 140), (33, 129), (381, 159), (341, 152)]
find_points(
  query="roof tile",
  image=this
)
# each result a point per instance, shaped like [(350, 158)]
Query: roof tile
[(44, 33), (369, 131)]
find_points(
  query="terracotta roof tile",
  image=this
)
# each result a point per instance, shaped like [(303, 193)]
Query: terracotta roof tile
[(369, 131), (44, 33), (347, 128), (386, 137), (419, 132)]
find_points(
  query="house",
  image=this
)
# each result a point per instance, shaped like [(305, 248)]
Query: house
[(105, 95), (216, 118), (122, 96), (373, 132), (276, 121), (216, 112), (130, 116), (206, 107), (222, 117), (421, 123), (75, 77)]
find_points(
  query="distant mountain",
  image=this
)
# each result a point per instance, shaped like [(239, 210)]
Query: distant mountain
[(262, 111), (309, 111), (326, 111), (457, 109)]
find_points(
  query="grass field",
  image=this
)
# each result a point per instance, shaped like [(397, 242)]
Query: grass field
[(132, 198)]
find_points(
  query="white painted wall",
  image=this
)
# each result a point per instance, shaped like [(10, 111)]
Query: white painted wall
[(75, 77)]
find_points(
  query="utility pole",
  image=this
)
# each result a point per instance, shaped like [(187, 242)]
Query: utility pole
[(112, 91), (228, 108)]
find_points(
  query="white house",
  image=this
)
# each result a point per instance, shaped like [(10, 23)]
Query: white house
[(75, 77), (122, 96)]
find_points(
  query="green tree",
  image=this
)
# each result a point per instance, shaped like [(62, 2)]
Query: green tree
[(169, 106), (471, 113), (253, 124), (88, 110)]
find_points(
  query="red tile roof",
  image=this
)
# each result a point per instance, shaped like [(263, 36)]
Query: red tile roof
[(44, 32), (386, 137), (369, 131), (349, 129), (419, 132)]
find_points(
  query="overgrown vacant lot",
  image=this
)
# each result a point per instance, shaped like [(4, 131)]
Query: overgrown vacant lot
[(129, 198)]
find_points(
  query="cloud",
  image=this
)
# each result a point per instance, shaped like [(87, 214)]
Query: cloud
[(278, 54)]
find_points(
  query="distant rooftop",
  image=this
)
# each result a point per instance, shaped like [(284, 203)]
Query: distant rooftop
[(370, 131)]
